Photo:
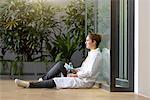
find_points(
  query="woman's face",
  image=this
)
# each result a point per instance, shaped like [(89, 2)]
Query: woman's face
[(89, 43)]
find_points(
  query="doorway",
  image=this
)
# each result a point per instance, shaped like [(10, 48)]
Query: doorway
[(114, 20)]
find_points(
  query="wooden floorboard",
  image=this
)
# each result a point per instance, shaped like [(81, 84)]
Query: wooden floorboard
[(9, 91)]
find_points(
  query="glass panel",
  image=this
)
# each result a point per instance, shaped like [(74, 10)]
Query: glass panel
[(89, 18), (103, 28), (98, 20), (122, 75)]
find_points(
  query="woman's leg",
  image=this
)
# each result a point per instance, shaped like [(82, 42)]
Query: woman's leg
[(55, 71), (43, 84)]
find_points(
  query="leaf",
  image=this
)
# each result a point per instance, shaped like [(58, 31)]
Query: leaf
[(58, 57)]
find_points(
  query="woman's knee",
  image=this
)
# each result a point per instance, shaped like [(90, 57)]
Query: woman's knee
[(60, 63)]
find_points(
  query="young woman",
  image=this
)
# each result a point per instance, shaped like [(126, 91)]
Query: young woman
[(83, 77)]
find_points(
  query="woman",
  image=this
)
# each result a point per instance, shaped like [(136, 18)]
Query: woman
[(83, 77)]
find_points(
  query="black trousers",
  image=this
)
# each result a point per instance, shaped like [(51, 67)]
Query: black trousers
[(48, 82)]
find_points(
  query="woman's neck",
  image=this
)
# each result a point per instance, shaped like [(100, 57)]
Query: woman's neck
[(93, 48)]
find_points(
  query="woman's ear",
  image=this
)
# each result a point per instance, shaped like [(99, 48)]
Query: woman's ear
[(94, 42)]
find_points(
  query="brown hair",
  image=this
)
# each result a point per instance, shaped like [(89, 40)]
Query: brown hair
[(96, 37)]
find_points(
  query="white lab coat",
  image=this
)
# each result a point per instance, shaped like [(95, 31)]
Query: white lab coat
[(87, 74)]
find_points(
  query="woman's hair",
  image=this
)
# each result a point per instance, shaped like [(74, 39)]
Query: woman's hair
[(96, 37)]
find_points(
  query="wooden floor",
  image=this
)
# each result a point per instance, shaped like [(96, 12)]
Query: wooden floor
[(9, 91)]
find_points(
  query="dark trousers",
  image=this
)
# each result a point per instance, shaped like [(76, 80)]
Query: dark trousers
[(48, 82)]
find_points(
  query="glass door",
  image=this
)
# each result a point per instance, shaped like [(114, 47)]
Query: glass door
[(114, 20), (98, 20), (122, 59)]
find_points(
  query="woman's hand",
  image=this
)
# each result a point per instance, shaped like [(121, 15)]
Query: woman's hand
[(72, 75), (74, 71)]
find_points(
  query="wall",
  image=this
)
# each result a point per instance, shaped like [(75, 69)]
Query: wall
[(144, 48)]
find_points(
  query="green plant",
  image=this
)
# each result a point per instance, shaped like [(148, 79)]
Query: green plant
[(67, 45), (25, 27), (46, 25), (71, 35), (75, 20)]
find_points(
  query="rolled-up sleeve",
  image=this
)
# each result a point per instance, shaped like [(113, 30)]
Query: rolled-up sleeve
[(84, 74)]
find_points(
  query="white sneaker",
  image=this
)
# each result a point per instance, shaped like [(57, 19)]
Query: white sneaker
[(22, 83), (40, 79)]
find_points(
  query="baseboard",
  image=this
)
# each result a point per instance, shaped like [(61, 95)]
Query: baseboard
[(140, 94)]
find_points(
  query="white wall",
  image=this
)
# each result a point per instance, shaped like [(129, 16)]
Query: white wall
[(136, 40), (144, 48)]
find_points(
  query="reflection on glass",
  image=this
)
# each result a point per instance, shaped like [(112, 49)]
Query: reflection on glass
[(103, 28), (100, 12)]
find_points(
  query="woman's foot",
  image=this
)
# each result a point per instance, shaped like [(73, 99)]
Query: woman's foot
[(22, 83)]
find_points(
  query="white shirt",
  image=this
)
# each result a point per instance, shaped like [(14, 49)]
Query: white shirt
[(87, 74)]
